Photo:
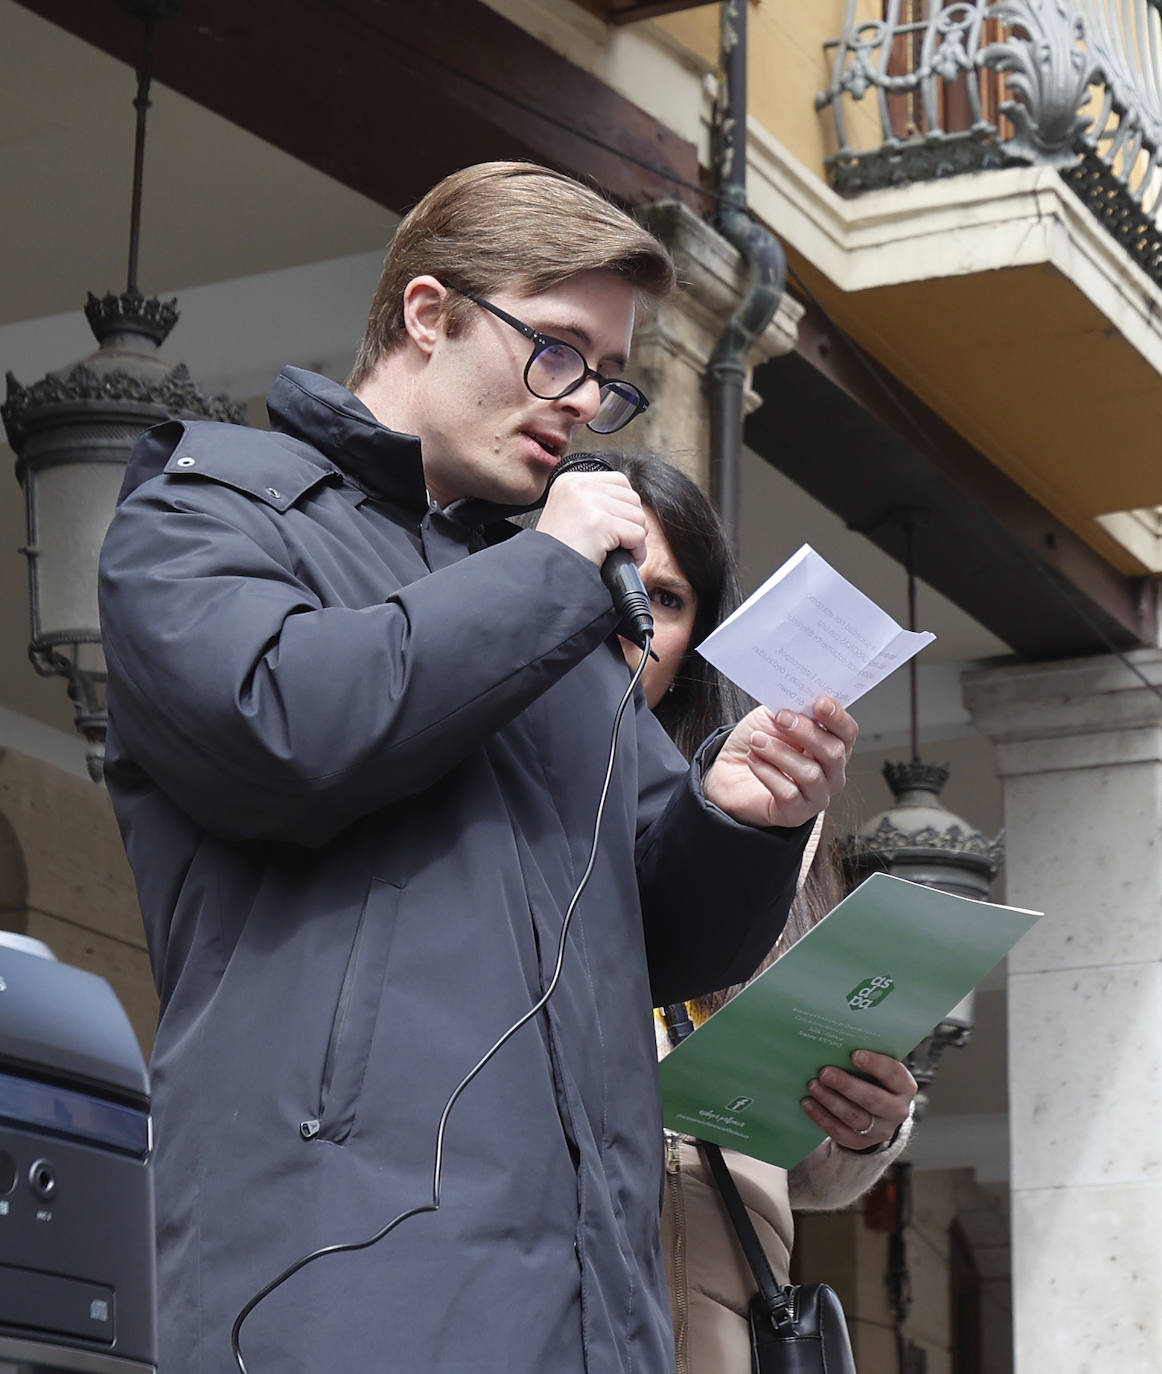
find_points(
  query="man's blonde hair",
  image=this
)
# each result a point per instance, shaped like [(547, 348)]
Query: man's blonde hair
[(506, 226)]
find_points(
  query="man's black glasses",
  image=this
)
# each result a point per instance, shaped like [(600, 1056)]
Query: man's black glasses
[(557, 369)]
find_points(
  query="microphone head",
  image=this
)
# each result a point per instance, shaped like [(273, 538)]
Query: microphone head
[(581, 462)]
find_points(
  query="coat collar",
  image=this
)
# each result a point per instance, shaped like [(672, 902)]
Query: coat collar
[(381, 461)]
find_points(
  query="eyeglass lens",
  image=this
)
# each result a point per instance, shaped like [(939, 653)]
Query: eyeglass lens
[(553, 370), (620, 402), (557, 368)]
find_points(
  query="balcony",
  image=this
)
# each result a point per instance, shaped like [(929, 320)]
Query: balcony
[(978, 84), (991, 230)]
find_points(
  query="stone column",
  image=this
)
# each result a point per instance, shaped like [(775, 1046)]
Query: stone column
[(840, 1248), (64, 879), (674, 341), (1079, 752)]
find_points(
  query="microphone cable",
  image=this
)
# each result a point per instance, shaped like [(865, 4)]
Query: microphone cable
[(489, 1054)]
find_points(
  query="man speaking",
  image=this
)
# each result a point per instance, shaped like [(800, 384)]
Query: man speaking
[(358, 730)]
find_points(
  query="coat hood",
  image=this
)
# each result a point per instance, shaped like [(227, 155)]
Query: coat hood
[(382, 461), (314, 409), (326, 431)]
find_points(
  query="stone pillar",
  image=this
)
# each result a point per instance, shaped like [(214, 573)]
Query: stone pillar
[(982, 1214), (674, 341), (839, 1248), (852, 1251), (64, 879), (1079, 753)]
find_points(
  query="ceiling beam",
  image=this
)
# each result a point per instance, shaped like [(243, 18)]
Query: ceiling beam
[(387, 96), (859, 442), (629, 11)]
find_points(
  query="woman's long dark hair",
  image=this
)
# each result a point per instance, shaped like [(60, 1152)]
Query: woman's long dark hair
[(702, 699)]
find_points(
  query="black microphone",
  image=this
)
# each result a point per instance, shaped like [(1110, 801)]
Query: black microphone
[(619, 571)]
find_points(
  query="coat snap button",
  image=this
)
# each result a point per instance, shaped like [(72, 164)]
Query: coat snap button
[(273, 491), (186, 462)]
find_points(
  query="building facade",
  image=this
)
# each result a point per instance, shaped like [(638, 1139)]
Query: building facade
[(966, 196)]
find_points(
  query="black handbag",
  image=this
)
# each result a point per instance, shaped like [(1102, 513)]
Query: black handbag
[(794, 1329)]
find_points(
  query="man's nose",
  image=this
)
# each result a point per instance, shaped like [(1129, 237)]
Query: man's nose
[(585, 402)]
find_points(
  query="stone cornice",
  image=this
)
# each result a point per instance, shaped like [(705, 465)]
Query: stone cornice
[(1070, 714), (713, 279), (958, 226)]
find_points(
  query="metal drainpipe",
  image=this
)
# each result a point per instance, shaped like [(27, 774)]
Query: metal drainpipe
[(767, 269)]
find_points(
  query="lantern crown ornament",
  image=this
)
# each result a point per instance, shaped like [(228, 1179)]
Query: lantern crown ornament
[(72, 433), (131, 314)]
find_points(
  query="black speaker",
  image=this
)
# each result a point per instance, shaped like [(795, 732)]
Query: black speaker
[(77, 1273)]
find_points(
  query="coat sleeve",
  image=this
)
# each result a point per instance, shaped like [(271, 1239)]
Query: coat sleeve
[(264, 714), (831, 1177), (715, 893)]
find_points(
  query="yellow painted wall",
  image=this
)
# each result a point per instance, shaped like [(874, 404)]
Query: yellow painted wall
[(696, 30), (788, 67), (1032, 374)]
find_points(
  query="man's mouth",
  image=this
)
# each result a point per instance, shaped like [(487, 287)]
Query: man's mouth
[(552, 445)]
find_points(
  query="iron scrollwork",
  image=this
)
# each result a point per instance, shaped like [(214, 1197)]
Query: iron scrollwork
[(1049, 70)]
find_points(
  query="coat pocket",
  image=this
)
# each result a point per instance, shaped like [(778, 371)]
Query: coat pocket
[(357, 1010)]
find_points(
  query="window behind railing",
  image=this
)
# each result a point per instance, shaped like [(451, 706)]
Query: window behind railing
[(917, 29)]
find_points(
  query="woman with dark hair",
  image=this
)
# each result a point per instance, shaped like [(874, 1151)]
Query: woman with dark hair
[(696, 588), (690, 576)]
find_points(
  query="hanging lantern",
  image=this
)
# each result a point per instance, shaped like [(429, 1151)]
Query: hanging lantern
[(72, 433)]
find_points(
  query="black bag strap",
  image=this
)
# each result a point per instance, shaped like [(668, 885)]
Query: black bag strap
[(775, 1299)]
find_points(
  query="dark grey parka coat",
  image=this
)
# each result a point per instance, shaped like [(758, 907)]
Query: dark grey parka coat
[(356, 770)]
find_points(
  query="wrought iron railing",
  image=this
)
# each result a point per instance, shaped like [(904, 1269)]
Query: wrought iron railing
[(964, 85)]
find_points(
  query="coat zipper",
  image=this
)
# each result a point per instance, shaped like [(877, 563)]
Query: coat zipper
[(309, 1129), (679, 1297)]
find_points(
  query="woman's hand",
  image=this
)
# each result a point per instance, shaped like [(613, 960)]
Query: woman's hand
[(855, 1113), (781, 768)]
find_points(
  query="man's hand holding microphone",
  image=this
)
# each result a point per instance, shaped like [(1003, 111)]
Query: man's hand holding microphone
[(594, 512), (776, 768)]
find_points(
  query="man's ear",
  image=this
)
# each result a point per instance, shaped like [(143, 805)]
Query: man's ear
[(425, 302)]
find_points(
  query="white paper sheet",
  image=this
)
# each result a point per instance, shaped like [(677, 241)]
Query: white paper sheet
[(806, 633)]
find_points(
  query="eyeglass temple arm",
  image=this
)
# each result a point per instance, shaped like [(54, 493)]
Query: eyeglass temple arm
[(526, 329)]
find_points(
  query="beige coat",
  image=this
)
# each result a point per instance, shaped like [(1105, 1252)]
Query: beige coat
[(710, 1283)]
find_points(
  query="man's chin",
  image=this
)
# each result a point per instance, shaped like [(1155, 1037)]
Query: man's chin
[(525, 494), (540, 491), (529, 489)]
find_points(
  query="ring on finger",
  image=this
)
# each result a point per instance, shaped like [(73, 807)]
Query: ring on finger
[(868, 1128)]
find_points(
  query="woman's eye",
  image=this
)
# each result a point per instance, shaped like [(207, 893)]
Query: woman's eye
[(670, 600)]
